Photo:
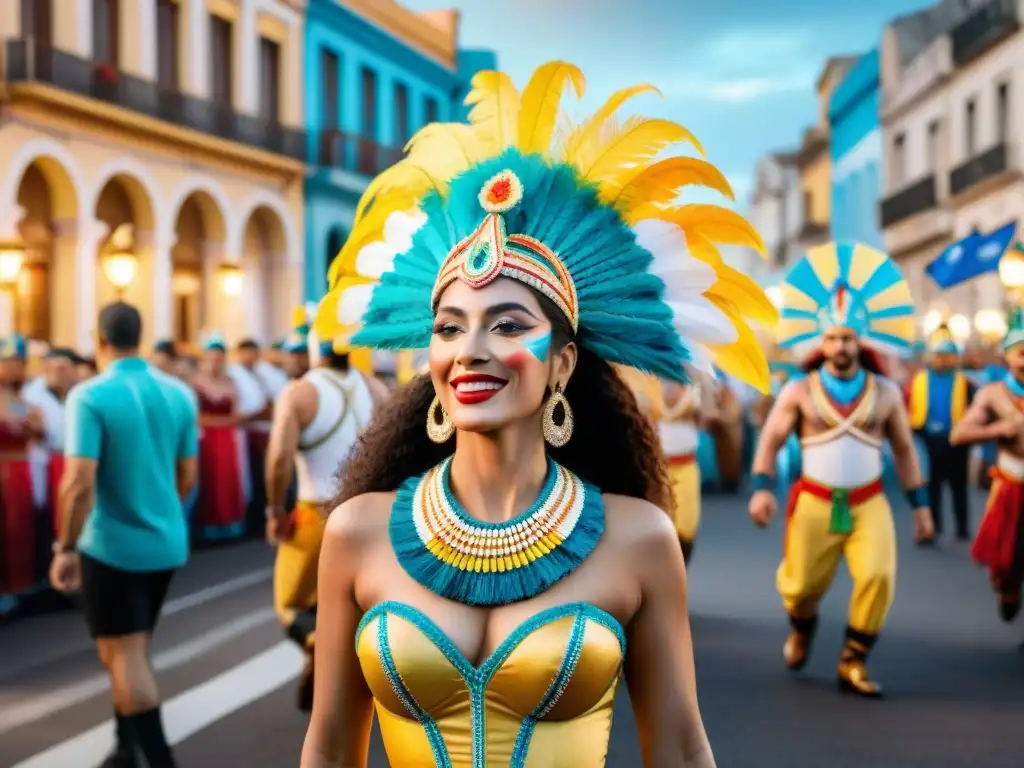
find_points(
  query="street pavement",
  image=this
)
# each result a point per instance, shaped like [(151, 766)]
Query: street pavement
[(953, 672)]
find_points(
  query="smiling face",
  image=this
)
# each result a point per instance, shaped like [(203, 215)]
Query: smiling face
[(491, 355)]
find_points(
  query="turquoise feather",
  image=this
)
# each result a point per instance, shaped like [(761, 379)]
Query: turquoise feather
[(622, 315)]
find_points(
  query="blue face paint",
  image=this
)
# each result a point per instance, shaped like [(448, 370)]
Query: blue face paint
[(539, 347)]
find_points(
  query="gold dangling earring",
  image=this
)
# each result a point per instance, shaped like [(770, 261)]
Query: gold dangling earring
[(557, 435), (439, 426)]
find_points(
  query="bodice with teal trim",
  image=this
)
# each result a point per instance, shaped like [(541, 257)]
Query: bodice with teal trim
[(543, 698)]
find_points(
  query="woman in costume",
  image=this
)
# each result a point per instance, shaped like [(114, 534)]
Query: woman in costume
[(220, 508), (502, 550)]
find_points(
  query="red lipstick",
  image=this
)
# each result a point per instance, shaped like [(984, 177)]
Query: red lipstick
[(476, 388)]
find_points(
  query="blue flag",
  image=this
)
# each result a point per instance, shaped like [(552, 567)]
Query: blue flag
[(975, 255)]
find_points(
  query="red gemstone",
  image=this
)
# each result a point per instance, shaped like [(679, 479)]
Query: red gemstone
[(500, 190)]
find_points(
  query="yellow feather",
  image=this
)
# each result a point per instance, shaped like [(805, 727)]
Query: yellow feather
[(702, 248), (457, 143), (495, 112), (744, 358), (720, 225), (369, 229), (414, 178), (590, 131), (747, 296), (661, 183), (298, 317), (541, 102), (638, 143)]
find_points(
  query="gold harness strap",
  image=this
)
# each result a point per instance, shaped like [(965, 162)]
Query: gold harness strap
[(687, 406), (839, 425), (346, 395)]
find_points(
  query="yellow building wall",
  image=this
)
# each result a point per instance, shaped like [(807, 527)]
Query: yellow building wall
[(816, 180)]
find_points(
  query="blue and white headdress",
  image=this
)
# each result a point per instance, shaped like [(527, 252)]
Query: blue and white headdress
[(1014, 329), (848, 285), (214, 340), (14, 347), (941, 342), (582, 213)]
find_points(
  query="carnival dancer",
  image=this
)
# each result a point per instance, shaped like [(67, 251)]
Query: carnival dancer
[(220, 506), (296, 344), (165, 357), (48, 394), (316, 424), (997, 413), (938, 396), (256, 406), (131, 447), (844, 298), (517, 492), (684, 414)]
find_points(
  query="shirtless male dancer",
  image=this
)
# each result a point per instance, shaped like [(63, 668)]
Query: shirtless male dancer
[(842, 296), (997, 413), (317, 420)]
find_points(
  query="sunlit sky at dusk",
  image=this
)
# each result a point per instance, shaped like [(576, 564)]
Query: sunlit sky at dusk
[(738, 73)]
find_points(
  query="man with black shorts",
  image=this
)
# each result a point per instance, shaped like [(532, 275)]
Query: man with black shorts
[(130, 459)]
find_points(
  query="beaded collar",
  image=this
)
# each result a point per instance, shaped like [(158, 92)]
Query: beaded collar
[(479, 563)]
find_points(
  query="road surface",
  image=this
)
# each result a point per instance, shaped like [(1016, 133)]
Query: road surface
[(953, 672)]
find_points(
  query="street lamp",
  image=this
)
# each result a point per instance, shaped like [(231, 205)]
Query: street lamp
[(932, 320), (959, 328), (12, 257), (231, 279), (990, 324), (1011, 271), (119, 262)]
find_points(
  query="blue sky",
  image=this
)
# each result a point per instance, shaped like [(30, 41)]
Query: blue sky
[(738, 73)]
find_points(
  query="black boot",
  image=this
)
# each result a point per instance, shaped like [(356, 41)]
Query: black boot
[(852, 674), (149, 730), (123, 755), (798, 644)]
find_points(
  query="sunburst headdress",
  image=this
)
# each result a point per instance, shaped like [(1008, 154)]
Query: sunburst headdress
[(583, 213), (849, 285)]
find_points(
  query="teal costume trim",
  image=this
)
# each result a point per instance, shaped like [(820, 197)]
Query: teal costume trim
[(622, 315), (14, 347), (843, 391), (1015, 387), (1015, 329), (511, 585), (214, 341), (478, 678)]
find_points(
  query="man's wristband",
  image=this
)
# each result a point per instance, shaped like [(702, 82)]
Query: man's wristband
[(917, 497), (64, 548), (762, 481)]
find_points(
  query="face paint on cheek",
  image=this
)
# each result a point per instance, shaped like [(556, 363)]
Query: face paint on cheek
[(539, 347)]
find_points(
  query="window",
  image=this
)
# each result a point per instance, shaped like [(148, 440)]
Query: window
[(431, 110), (934, 132), (898, 170), (270, 80), (368, 161), (970, 129), (329, 97), (401, 115), (1003, 113), (106, 42), (37, 21), (168, 40), (221, 70)]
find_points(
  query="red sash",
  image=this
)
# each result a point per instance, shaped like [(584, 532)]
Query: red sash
[(995, 546), (17, 527)]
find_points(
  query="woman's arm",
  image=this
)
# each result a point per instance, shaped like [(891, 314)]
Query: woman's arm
[(659, 660), (339, 727)]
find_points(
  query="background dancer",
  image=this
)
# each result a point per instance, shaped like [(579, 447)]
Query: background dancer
[(842, 412), (317, 421), (996, 414), (938, 397), (130, 460)]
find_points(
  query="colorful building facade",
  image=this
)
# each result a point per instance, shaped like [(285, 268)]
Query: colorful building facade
[(177, 126), (375, 73), (856, 151)]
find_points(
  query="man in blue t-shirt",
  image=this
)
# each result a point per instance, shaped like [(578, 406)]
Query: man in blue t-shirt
[(130, 448)]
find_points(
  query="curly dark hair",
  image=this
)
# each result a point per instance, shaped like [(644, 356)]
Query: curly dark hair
[(613, 446)]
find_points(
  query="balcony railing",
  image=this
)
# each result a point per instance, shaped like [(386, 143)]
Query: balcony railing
[(979, 168), (27, 62), (982, 29), (919, 196), (356, 154)]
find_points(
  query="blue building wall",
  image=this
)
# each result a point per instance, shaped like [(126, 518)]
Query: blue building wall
[(332, 192), (856, 146)]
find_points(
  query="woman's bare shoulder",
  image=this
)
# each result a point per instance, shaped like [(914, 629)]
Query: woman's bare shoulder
[(638, 525), (359, 522)]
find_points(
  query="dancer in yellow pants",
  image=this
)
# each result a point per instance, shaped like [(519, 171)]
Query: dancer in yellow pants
[(844, 298), (317, 421), (679, 430)]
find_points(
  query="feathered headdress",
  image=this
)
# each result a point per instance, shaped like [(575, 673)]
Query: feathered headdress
[(214, 340), (941, 342), (14, 347), (849, 285), (1014, 329), (298, 338), (583, 213)]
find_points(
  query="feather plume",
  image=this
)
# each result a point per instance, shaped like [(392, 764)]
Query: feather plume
[(589, 132), (746, 295), (541, 105), (702, 248), (367, 230), (719, 225), (661, 183), (637, 143), (495, 113), (744, 358), (455, 145), (411, 177)]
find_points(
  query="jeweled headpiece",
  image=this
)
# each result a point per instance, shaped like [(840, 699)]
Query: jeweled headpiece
[(847, 285), (581, 213), (214, 340)]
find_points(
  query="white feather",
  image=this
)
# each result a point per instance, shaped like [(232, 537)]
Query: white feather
[(353, 303), (375, 259), (682, 273), (699, 320), (701, 360), (400, 227)]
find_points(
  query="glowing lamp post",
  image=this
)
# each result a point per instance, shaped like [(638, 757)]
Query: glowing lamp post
[(231, 279), (959, 328), (1011, 272), (990, 325), (119, 262), (12, 257)]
